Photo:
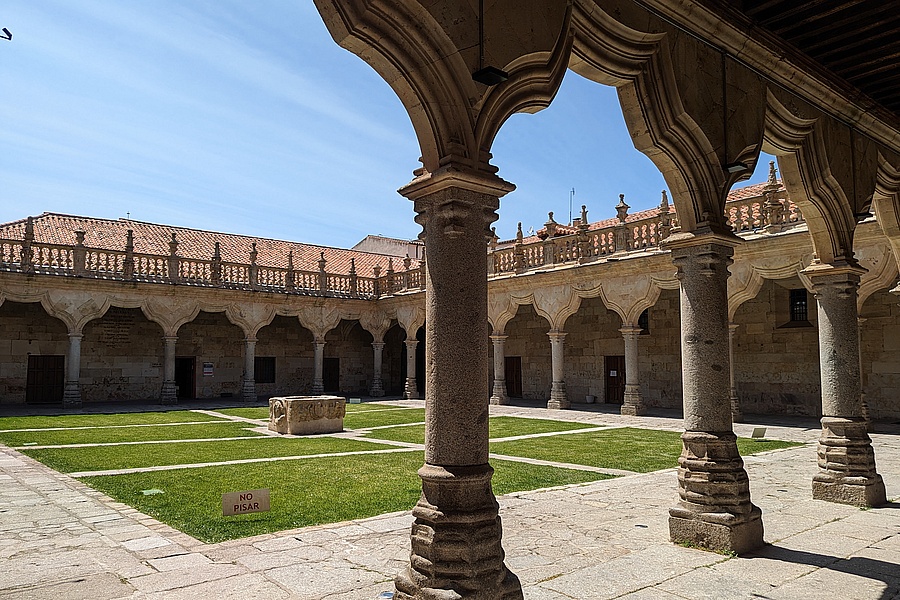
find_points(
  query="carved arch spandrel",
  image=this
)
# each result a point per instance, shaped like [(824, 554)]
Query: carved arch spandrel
[(411, 318), (427, 53), (319, 320), (828, 170), (170, 313), (747, 278), (886, 199), (881, 273), (75, 309), (250, 317), (628, 297), (676, 116), (376, 322)]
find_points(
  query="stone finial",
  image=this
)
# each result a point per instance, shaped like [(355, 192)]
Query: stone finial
[(584, 215), (29, 229), (407, 262), (289, 276), (253, 253), (322, 262), (773, 181), (550, 225), (217, 255), (519, 236), (664, 203), (390, 268), (622, 209), (376, 271), (129, 240), (173, 245), (129, 254), (79, 238), (353, 266)]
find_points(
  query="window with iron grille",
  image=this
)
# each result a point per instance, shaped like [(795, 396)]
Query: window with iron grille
[(264, 369), (799, 306)]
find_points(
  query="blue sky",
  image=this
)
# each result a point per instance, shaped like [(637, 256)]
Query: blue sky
[(246, 117)]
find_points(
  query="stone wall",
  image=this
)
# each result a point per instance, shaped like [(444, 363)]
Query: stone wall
[(212, 338), (121, 357), (291, 345), (777, 362), (27, 329), (659, 351), (880, 345), (528, 339), (591, 335), (353, 346)]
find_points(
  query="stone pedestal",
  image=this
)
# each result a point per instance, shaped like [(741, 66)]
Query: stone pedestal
[(304, 415), (410, 388), (169, 393), (558, 396), (376, 390), (72, 389), (248, 386), (498, 393), (714, 508), (847, 472), (633, 404)]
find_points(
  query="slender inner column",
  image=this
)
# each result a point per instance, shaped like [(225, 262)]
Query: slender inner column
[(318, 362), (714, 510), (633, 404), (376, 390), (736, 415), (169, 393), (248, 388), (72, 390), (558, 396), (456, 536), (410, 389), (499, 395), (847, 471)]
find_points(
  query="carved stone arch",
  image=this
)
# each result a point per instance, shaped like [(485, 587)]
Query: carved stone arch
[(828, 170), (886, 199), (683, 132), (411, 317), (319, 320), (628, 297), (747, 280), (75, 309), (170, 314), (878, 260), (376, 322), (455, 118), (502, 308), (250, 317)]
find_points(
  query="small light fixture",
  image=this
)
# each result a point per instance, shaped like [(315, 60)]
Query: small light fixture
[(736, 167), (490, 76), (7, 34)]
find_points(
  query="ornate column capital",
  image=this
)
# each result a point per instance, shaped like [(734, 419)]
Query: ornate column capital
[(630, 330)]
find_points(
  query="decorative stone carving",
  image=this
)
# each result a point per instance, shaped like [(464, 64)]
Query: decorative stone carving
[(305, 415)]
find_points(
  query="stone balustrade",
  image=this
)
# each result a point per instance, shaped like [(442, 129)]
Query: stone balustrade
[(766, 214)]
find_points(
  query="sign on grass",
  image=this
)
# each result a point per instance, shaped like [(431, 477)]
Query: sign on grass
[(242, 503)]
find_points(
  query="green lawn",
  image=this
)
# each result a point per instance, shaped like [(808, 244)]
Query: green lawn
[(362, 420), (307, 492), (70, 460), (219, 429), (100, 420), (500, 427), (641, 450)]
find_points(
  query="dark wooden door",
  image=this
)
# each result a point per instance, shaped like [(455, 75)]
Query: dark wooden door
[(331, 375), (45, 379), (615, 379), (185, 376), (513, 374)]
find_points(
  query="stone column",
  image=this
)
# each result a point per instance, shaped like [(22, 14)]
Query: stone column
[(376, 390), (846, 459), (456, 536), (169, 393), (410, 389), (248, 387), (714, 510), (736, 415), (499, 395), (558, 396), (318, 386), (72, 390), (633, 404)]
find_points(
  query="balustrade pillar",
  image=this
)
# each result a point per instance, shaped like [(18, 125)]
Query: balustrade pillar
[(318, 386), (72, 389), (169, 392), (714, 510), (376, 390), (558, 396), (410, 389), (634, 403), (456, 536), (846, 459), (736, 415), (248, 387), (499, 395)]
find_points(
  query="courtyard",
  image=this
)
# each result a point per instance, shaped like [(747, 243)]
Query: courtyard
[(578, 522)]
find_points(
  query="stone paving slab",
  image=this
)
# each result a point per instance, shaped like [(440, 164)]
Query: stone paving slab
[(606, 539)]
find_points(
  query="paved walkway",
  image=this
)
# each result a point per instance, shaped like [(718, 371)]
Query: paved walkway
[(60, 539)]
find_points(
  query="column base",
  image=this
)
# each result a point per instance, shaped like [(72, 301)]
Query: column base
[(847, 472), (736, 415), (559, 399), (633, 405), (376, 391), (317, 388), (456, 540), (714, 511), (72, 395), (410, 390), (169, 393), (248, 391), (499, 397)]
